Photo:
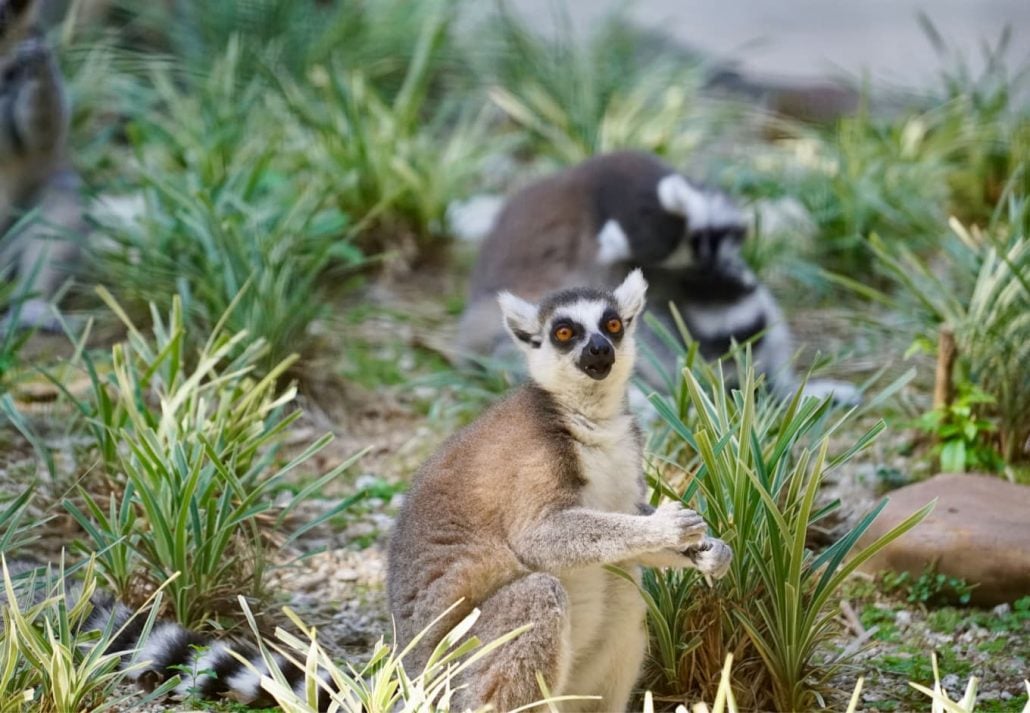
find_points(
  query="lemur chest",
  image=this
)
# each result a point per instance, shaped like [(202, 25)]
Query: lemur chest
[(610, 464)]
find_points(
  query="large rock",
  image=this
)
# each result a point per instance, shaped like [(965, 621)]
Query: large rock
[(979, 531)]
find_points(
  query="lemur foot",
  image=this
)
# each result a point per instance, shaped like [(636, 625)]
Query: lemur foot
[(712, 557)]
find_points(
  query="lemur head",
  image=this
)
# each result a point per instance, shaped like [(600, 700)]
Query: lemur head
[(16, 17), (579, 340), (715, 227)]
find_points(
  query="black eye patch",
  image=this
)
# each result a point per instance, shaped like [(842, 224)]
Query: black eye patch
[(565, 333), (608, 321)]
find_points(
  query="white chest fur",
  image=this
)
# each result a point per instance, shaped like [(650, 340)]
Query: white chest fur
[(604, 609), (610, 462)]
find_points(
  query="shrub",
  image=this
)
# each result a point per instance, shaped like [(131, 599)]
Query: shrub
[(225, 218), (188, 443), (574, 99), (984, 298), (753, 470), (963, 439)]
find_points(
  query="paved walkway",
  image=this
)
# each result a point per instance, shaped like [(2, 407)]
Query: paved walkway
[(804, 39)]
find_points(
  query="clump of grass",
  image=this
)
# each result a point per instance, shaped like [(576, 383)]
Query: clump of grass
[(225, 219), (395, 160), (576, 98), (14, 292), (987, 124), (188, 443), (379, 37), (382, 684), (17, 528), (753, 469)]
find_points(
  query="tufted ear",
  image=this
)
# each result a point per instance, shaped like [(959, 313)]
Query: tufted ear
[(631, 295), (521, 319), (679, 197)]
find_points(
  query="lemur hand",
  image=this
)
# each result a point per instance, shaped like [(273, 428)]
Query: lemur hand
[(678, 526), (712, 557)]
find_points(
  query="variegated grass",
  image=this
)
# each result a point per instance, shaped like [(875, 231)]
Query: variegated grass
[(753, 468)]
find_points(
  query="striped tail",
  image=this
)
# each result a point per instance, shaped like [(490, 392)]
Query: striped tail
[(207, 667)]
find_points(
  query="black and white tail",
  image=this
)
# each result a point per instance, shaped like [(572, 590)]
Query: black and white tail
[(206, 667)]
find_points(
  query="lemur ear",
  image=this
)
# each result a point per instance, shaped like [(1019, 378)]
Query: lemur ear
[(521, 319), (631, 295), (677, 196)]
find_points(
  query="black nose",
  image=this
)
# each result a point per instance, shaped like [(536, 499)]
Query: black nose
[(597, 357)]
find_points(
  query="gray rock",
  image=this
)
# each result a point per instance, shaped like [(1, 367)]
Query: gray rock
[(979, 531)]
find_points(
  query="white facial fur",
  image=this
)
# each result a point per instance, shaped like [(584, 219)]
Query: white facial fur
[(557, 371)]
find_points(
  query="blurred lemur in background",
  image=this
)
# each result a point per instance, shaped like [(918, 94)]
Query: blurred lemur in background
[(34, 173), (591, 224)]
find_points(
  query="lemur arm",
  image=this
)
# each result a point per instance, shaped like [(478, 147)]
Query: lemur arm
[(579, 537), (32, 110)]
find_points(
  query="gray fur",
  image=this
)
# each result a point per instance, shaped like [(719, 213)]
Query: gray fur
[(592, 224), (34, 173), (518, 514)]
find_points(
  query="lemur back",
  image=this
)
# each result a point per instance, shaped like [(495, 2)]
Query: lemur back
[(518, 514), (34, 173)]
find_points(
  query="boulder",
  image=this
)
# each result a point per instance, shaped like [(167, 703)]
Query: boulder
[(979, 531)]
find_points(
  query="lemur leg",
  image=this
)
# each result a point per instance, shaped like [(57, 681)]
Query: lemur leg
[(507, 678), (611, 668)]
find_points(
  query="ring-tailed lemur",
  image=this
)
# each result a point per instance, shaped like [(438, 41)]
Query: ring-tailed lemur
[(593, 223), (519, 513), (34, 174), (205, 666)]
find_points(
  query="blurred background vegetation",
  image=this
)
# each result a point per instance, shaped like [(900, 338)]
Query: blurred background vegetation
[(271, 178)]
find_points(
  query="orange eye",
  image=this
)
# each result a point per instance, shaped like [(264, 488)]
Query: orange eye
[(614, 325), (563, 334)]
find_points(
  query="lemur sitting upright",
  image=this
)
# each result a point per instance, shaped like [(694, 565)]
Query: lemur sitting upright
[(593, 223), (518, 514), (34, 173)]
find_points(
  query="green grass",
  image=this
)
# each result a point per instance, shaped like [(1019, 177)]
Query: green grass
[(280, 147), (611, 91), (753, 468), (189, 446)]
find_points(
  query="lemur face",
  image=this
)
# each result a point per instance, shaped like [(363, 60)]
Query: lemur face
[(578, 336), (715, 227)]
